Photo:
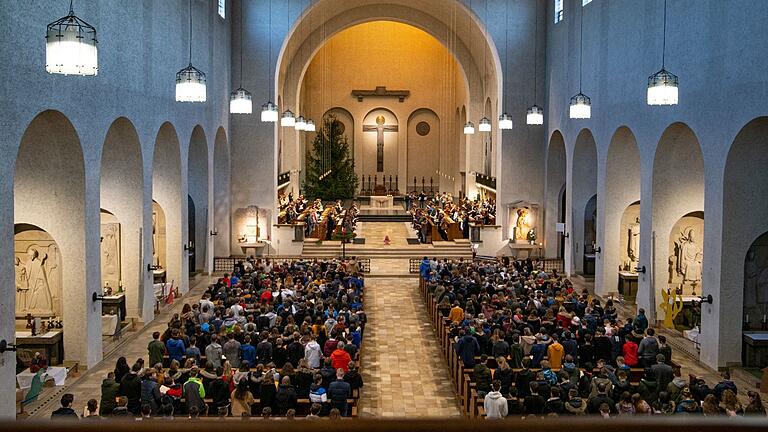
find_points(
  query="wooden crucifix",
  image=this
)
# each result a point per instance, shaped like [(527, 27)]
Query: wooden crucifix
[(380, 128)]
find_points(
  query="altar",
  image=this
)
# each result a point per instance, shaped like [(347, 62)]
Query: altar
[(50, 345), (754, 352), (524, 250), (114, 305), (626, 281), (386, 201)]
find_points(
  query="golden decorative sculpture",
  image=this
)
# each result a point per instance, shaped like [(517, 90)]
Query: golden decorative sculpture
[(672, 306)]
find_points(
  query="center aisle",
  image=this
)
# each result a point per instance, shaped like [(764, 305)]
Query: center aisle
[(403, 369)]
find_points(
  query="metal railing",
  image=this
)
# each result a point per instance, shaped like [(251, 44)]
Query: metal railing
[(227, 264), (549, 264)]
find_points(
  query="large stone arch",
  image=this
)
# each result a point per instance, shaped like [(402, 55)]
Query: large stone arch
[(584, 187), (555, 186), (451, 23), (197, 188), (678, 190), (221, 194), (122, 195), (621, 189), (49, 193), (167, 193), (745, 220)]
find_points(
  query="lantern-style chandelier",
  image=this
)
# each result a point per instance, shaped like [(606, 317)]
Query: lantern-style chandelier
[(288, 119), (484, 125), (663, 85), (190, 81), (269, 112), (469, 128), (581, 104), (70, 46), (241, 100), (535, 115), (505, 120)]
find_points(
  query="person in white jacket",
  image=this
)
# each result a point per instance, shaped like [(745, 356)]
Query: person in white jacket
[(495, 404), (313, 353)]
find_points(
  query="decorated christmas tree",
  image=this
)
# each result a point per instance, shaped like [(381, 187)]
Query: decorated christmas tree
[(330, 171)]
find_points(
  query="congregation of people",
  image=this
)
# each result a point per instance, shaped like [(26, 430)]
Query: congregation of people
[(537, 347), (450, 217), (257, 343), (322, 221)]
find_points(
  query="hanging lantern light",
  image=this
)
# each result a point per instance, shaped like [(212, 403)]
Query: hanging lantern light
[(663, 85), (269, 112), (581, 104), (190, 85), (484, 125), (288, 119), (310, 126), (301, 124), (535, 115), (190, 81), (581, 107), (240, 102), (662, 88), (70, 46), (469, 128), (505, 122)]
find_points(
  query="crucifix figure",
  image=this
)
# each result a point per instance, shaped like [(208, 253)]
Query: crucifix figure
[(380, 128)]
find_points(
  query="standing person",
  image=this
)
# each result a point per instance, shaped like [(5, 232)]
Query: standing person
[(214, 351), (65, 412), (130, 387), (242, 400), (555, 352), (648, 349), (664, 372), (175, 346), (338, 393), (640, 323), (194, 393), (156, 349), (494, 403), (467, 348), (231, 350), (150, 392), (109, 390), (665, 349), (313, 353)]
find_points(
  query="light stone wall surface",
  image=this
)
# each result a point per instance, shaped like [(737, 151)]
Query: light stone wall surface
[(142, 45), (716, 50)]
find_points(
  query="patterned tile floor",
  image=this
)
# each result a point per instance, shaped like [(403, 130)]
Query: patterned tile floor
[(404, 372)]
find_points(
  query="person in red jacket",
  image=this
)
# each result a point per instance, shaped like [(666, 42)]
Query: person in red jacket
[(340, 358), (630, 352)]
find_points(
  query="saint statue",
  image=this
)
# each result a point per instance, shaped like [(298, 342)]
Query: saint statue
[(22, 287), (39, 295), (633, 244), (690, 256), (522, 226), (752, 271)]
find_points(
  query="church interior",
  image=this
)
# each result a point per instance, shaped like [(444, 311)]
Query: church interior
[(439, 207)]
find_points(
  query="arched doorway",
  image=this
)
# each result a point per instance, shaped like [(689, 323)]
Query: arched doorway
[(678, 190), (122, 204), (555, 197), (745, 222), (620, 225), (221, 195), (197, 189), (584, 187), (49, 203), (166, 192)]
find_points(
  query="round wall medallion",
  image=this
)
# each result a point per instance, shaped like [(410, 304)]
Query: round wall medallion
[(422, 128)]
